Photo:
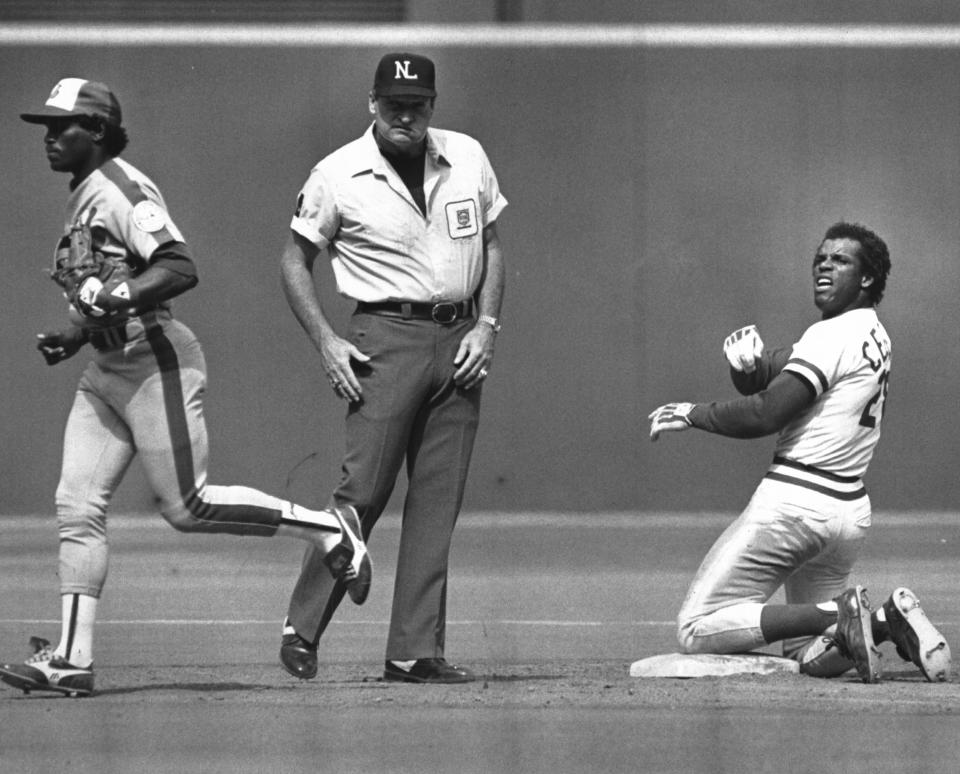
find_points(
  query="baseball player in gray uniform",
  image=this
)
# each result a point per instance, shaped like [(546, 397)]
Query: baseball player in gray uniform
[(120, 260), (805, 525)]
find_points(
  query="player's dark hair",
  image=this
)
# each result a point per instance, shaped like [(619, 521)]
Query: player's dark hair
[(114, 136), (873, 254)]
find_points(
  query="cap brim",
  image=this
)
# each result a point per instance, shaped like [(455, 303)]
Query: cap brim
[(47, 113)]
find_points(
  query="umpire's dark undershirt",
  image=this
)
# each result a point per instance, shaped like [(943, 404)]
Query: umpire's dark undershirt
[(410, 169)]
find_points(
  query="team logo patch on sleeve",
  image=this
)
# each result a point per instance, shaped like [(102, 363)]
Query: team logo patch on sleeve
[(149, 216), (462, 219)]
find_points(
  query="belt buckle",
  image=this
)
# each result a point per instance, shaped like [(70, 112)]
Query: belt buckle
[(444, 313)]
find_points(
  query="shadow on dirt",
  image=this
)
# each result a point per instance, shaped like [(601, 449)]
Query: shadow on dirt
[(495, 678), (196, 687)]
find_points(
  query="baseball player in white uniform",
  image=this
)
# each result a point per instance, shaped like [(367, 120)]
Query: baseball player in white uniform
[(807, 520), (142, 393)]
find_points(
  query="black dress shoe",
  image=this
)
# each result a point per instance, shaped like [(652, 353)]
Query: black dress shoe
[(426, 670), (298, 656)]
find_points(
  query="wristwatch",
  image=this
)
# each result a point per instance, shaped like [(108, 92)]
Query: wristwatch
[(493, 322)]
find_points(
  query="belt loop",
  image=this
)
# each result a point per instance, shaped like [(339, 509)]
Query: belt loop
[(406, 310)]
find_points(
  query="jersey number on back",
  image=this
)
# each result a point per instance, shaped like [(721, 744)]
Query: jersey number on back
[(875, 407)]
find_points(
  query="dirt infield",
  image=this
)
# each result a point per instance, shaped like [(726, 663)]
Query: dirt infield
[(544, 717), (187, 678)]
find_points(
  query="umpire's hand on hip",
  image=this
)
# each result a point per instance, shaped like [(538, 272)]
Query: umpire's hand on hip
[(337, 355), (474, 356)]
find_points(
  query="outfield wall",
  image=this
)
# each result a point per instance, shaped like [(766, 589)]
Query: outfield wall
[(663, 191)]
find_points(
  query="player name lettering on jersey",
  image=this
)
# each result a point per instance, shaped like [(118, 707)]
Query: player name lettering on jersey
[(877, 349), (846, 361)]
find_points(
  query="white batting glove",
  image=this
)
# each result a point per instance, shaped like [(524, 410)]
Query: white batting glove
[(742, 348), (670, 417), (95, 299), (88, 296)]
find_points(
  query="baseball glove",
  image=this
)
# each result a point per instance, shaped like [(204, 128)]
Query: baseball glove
[(83, 272)]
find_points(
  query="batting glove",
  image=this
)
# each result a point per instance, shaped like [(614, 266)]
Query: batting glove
[(671, 417), (742, 348), (94, 299)]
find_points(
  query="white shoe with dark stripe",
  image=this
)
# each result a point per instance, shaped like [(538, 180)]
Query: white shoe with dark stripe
[(915, 638), (349, 560), (46, 671)]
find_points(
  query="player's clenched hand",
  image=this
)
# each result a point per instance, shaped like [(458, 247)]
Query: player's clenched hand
[(337, 355), (743, 348), (670, 417), (59, 345)]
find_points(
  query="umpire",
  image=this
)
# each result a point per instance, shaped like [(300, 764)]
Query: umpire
[(407, 214)]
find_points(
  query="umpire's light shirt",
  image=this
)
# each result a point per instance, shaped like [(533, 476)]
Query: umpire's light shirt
[(382, 247)]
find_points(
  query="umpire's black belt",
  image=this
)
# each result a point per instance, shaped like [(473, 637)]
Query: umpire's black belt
[(443, 312)]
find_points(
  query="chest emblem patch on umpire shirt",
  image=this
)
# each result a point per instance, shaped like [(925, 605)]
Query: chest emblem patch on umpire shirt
[(462, 219), (149, 216)]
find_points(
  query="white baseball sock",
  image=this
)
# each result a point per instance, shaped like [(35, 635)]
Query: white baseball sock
[(78, 613)]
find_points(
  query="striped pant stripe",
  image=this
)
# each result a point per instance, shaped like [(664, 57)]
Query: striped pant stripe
[(234, 518)]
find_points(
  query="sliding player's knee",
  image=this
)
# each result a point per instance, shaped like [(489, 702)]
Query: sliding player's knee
[(687, 637)]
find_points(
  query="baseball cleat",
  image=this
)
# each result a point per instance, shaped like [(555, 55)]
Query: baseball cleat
[(46, 671), (917, 639), (854, 635), (349, 560)]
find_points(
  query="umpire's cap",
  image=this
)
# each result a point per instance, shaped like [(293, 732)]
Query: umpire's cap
[(405, 75), (77, 97)]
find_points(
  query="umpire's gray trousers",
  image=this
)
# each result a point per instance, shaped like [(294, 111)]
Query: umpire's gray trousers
[(410, 409)]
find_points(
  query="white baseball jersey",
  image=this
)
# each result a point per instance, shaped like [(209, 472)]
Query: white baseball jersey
[(846, 362)]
